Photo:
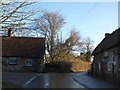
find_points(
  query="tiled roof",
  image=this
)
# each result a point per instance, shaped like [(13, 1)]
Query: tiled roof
[(108, 42), (23, 47)]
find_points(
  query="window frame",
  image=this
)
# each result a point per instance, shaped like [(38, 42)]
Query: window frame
[(13, 61), (29, 62)]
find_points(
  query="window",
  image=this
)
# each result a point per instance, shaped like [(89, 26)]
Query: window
[(13, 61), (28, 62)]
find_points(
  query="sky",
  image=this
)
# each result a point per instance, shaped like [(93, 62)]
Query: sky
[(62, 0), (91, 19)]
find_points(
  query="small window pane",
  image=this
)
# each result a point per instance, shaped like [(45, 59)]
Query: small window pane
[(13, 61), (28, 62)]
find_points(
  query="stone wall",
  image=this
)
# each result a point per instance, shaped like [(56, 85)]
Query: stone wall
[(37, 65), (106, 64)]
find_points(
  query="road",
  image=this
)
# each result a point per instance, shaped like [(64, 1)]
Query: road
[(54, 80), (89, 81)]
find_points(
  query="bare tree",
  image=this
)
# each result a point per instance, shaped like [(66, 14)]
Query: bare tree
[(15, 15), (71, 44), (87, 47), (49, 23)]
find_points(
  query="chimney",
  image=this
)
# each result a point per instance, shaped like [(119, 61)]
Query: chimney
[(107, 34), (9, 32)]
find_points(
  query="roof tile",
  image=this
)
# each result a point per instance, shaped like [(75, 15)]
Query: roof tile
[(23, 47)]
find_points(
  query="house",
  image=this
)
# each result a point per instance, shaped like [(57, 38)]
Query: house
[(107, 57), (23, 53)]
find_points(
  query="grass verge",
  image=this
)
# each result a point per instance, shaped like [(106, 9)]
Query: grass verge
[(7, 85)]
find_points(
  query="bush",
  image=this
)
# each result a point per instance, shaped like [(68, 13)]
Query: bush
[(60, 66)]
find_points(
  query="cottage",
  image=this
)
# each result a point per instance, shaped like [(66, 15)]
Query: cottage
[(107, 57), (23, 54)]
